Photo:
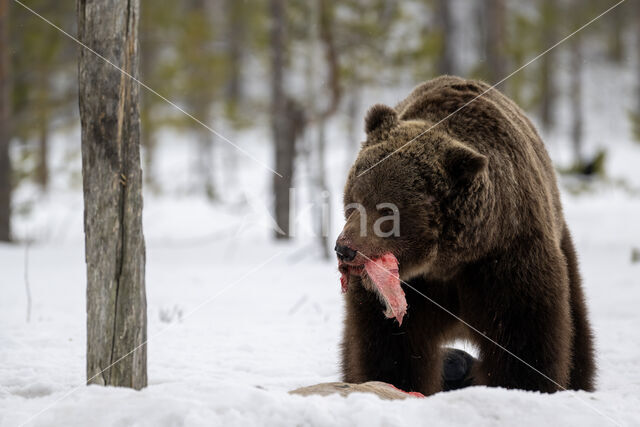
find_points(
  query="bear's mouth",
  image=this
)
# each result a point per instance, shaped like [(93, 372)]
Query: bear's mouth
[(380, 275), (351, 269)]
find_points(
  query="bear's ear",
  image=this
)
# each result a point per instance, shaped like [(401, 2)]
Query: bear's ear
[(380, 116), (463, 163)]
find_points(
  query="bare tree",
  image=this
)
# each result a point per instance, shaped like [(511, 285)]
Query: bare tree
[(321, 36), (112, 182), (236, 39), (616, 28), (637, 12), (42, 168), (282, 126), (446, 60), (201, 90), (576, 98), (5, 160), (494, 40), (547, 78)]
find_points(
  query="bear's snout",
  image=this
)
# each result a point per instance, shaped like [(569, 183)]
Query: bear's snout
[(345, 253)]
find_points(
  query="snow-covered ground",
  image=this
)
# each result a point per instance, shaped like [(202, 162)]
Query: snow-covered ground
[(236, 320)]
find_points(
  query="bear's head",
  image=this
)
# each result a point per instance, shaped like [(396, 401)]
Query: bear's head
[(415, 193)]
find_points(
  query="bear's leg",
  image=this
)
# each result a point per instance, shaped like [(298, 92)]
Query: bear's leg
[(582, 360), (520, 300), (375, 348)]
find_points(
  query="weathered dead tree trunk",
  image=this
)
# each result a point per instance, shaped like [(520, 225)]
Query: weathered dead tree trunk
[(5, 160), (112, 182)]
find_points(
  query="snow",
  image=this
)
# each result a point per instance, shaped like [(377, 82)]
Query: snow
[(236, 321)]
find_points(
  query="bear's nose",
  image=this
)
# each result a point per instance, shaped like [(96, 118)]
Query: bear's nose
[(345, 253)]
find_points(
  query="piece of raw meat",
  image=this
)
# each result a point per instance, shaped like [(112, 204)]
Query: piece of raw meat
[(383, 273)]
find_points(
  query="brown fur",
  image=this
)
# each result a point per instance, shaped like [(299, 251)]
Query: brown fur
[(482, 233)]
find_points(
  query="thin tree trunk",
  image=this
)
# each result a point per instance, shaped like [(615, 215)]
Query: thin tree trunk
[(204, 162), (446, 60), (236, 38), (112, 182), (324, 199), (321, 12), (547, 78), (495, 40), (638, 56), (42, 170), (325, 26), (616, 36), (5, 160), (576, 98), (284, 149), (201, 101), (353, 124)]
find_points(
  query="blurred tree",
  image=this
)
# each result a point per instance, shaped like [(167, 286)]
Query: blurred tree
[(362, 39), (158, 26), (237, 25), (44, 90), (201, 81), (444, 20), (548, 15), (320, 35), (236, 44), (575, 91), (112, 183), (278, 121), (284, 137), (523, 44), (616, 25), (182, 59), (414, 41), (635, 111), (637, 12), (495, 37), (5, 159)]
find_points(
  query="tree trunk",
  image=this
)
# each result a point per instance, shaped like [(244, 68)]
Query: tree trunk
[(547, 71), (204, 162), (325, 26), (200, 99), (112, 182), (495, 40), (353, 124), (324, 200), (236, 30), (5, 160), (284, 147), (325, 35), (576, 98), (637, 11), (616, 34), (42, 170), (446, 60)]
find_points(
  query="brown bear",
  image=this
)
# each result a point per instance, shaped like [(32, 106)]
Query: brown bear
[(481, 244)]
